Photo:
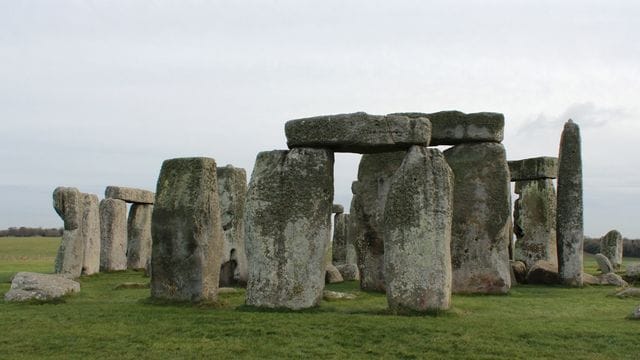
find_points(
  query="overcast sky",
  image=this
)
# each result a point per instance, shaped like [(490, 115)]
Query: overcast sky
[(97, 93)]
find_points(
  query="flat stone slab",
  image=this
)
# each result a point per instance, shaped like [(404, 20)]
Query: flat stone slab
[(358, 132), (455, 127), (337, 209), (538, 168), (33, 286), (130, 195)]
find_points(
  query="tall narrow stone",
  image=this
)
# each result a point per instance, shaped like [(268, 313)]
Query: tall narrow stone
[(481, 218), (611, 246), (417, 221), (139, 236), (370, 193), (186, 231), (339, 246), (569, 220), (91, 234), (232, 190), (113, 235), (68, 204), (288, 227)]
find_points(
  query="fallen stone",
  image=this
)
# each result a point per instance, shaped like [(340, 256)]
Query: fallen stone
[(569, 214), (588, 279), (538, 168), (339, 243), (455, 127), (604, 265), (329, 295), (91, 234), (186, 231), (417, 237), (628, 293), (332, 275), (543, 273), (611, 247), (358, 132), (612, 279), (349, 272), (27, 286), (113, 235), (288, 227), (130, 195), (337, 209), (519, 269), (139, 236)]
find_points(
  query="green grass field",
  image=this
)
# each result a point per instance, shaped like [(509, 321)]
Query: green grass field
[(533, 322)]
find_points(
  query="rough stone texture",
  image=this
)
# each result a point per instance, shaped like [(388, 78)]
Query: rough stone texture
[(130, 195), (232, 190), (543, 272), (91, 234), (339, 244), (569, 220), (349, 272), (633, 271), (332, 275), (611, 247), (139, 236), (358, 132), (113, 235), (537, 168), (186, 231), (68, 203), (417, 236), (337, 209), (352, 235), (612, 279), (535, 222), (588, 279), (455, 127), (604, 265), (481, 218), (27, 286), (629, 293), (367, 211), (519, 269), (288, 227)]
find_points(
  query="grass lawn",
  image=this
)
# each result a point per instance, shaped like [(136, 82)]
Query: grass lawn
[(533, 322)]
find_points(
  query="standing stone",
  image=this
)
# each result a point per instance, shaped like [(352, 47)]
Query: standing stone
[(535, 222), (369, 196), (68, 204), (186, 231), (232, 190), (569, 220), (481, 218), (339, 246), (611, 246), (417, 236), (91, 234), (139, 236), (113, 235), (288, 227)]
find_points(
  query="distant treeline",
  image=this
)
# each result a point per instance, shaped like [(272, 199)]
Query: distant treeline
[(28, 232), (631, 246)]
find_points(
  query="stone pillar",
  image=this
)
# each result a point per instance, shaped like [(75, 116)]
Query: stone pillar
[(113, 235), (186, 231), (91, 234), (481, 216), (611, 246), (417, 236), (288, 227), (68, 202), (569, 220), (340, 223), (139, 236)]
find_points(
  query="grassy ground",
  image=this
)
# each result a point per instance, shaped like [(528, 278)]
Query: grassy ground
[(532, 322)]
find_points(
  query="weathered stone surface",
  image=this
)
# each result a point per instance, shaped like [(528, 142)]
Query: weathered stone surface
[(629, 293), (332, 275), (339, 244), (335, 295), (186, 231), (68, 203), (139, 236), (569, 216), (537, 168), (358, 132), (604, 265), (481, 218), (27, 286), (633, 271), (232, 190), (337, 209), (367, 211), (349, 272), (611, 247), (535, 222), (455, 127), (91, 234), (417, 235), (519, 269), (588, 279), (543, 272), (130, 195), (612, 279), (288, 227), (113, 235)]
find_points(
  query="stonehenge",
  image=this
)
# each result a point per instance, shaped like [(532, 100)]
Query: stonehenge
[(68, 203), (611, 247), (113, 235), (139, 236), (91, 234)]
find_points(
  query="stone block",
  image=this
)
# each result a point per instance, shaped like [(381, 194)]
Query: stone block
[(611, 246), (537, 168), (68, 203), (113, 235), (455, 127), (91, 234), (130, 195), (139, 236)]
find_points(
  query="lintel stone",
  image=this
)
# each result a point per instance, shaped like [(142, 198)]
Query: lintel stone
[(538, 168), (130, 195)]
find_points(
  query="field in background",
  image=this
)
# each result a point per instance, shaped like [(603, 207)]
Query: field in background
[(532, 322)]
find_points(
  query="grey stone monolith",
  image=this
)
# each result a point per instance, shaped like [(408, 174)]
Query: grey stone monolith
[(611, 246), (569, 214), (186, 231), (113, 235), (604, 265), (481, 218), (91, 234), (139, 236), (417, 233), (339, 245), (369, 196), (130, 195), (358, 132), (288, 227), (232, 190), (535, 222), (68, 203)]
